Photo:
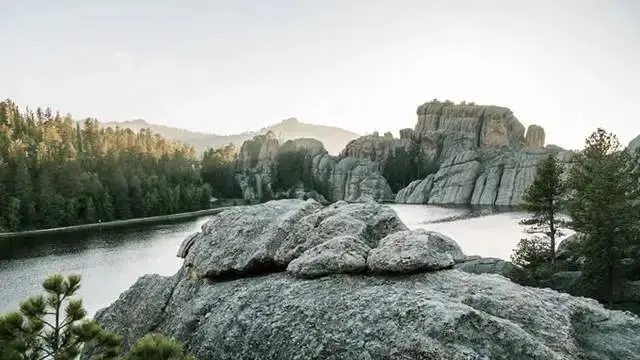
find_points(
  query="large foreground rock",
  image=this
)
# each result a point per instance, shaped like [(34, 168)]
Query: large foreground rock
[(340, 255), (414, 251), (250, 240), (442, 315), (291, 279)]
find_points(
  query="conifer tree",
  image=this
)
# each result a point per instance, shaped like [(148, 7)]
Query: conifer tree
[(157, 347), (543, 199), (604, 207), (54, 327)]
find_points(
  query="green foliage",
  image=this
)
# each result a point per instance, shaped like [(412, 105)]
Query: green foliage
[(253, 147), (402, 167), (294, 169), (605, 193), (58, 172), (291, 170), (265, 193), (544, 199), (217, 170), (54, 326), (532, 253), (157, 347), (399, 169)]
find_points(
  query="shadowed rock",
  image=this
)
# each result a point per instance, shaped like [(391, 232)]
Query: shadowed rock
[(487, 266)]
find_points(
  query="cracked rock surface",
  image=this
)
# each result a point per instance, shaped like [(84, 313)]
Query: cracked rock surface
[(322, 302)]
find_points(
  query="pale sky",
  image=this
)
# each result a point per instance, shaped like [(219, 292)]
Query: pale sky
[(231, 66)]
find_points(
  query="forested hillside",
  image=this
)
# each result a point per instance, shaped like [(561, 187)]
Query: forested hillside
[(55, 171)]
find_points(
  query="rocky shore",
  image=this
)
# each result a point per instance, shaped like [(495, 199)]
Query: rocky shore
[(293, 279)]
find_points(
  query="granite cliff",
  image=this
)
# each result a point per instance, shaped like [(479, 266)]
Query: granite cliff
[(456, 154), (292, 279), (322, 176), (460, 154)]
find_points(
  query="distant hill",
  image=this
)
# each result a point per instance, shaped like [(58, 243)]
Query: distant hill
[(333, 138)]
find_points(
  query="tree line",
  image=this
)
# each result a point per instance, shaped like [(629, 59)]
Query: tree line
[(600, 195), (55, 172)]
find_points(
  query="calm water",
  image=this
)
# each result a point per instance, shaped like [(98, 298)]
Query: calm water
[(111, 261)]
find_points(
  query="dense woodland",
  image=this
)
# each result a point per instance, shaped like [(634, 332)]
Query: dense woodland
[(55, 171), (218, 170)]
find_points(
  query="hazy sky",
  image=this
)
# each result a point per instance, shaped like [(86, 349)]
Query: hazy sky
[(231, 66)]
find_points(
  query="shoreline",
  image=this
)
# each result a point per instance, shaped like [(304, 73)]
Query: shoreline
[(152, 220)]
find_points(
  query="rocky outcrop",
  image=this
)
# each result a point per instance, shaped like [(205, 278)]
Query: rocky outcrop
[(457, 154), (347, 178), (255, 164), (376, 148), (483, 156), (478, 177), (267, 237), (534, 137), (353, 179), (414, 251), (487, 266), (487, 126), (345, 254), (328, 305)]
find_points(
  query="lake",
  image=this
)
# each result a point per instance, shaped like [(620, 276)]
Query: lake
[(111, 261)]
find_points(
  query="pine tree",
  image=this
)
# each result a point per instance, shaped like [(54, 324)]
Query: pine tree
[(544, 199), (53, 164), (54, 327), (137, 198), (89, 211), (24, 192), (121, 195), (12, 214), (157, 347), (604, 208), (47, 206)]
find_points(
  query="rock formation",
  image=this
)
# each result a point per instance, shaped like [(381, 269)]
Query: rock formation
[(634, 144), (291, 279), (535, 136), (457, 154), (483, 155), (486, 126), (347, 178)]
